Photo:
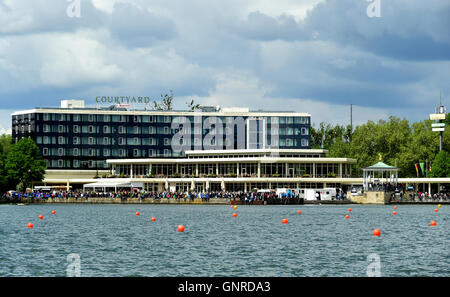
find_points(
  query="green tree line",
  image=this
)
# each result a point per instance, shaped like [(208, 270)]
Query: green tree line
[(398, 142), (20, 164)]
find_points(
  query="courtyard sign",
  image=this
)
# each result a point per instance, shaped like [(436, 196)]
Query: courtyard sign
[(122, 99)]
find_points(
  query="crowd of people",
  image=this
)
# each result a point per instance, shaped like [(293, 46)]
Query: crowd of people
[(246, 197)]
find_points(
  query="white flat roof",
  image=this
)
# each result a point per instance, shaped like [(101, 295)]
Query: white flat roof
[(255, 151), (231, 160), (161, 112)]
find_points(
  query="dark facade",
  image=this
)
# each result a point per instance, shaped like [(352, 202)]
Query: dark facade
[(85, 138)]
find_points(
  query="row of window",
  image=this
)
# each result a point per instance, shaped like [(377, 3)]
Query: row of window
[(91, 152), (151, 130), (102, 141), (283, 142), (152, 118)]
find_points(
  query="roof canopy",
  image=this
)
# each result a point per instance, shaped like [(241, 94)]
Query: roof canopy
[(380, 166)]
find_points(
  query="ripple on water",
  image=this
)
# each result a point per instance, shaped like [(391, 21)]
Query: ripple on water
[(112, 241)]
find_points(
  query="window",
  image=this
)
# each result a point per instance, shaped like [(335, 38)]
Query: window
[(166, 141), (305, 131), (61, 140), (166, 130), (91, 129), (152, 130), (91, 141), (151, 153), (121, 141), (60, 163), (107, 118), (122, 130), (91, 152), (106, 141), (45, 151), (304, 142), (76, 152), (122, 153), (76, 129), (46, 128), (76, 140), (106, 152), (106, 129), (136, 153), (76, 117), (76, 163), (60, 152)]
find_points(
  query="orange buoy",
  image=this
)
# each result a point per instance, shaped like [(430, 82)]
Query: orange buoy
[(299, 211), (234, 214), (433, 223), (436, 210), (376, 232), (153, 219), (349, 209), (30, 225), (285, 221), (53, 212), (395, 207), (40, 217), (347, 216), (180, 228), (394, 213), (137, 213)]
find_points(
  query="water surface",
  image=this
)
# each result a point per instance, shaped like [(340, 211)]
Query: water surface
[(112, 241)]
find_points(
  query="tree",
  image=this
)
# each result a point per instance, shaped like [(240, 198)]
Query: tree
[(24, 163), (192, 106), (5, 144), (165, 104), (441, 165)]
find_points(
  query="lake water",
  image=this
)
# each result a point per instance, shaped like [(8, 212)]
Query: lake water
[(112, 241)]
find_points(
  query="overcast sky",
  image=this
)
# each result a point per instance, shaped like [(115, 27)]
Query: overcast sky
[(315, 56)]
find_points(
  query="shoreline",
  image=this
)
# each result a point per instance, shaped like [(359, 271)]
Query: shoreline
[(199, 201)]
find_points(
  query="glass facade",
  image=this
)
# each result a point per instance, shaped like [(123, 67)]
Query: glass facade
[(85, 140)]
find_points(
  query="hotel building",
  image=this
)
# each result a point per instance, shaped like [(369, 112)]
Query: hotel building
[(212, 149)]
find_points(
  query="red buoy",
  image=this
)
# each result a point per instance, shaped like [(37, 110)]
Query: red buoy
[(395, 207), (40, 217), (153, 219), (347, 216), (376, 232), (285, 221), (299, 211), (30, 225), (180, 228), (234, 214), (394, 213), (433, 223), (137, 213), (349, 209), (436, 210), (53, 212)]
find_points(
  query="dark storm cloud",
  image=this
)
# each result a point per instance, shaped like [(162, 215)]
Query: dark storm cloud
[(406, 30)]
